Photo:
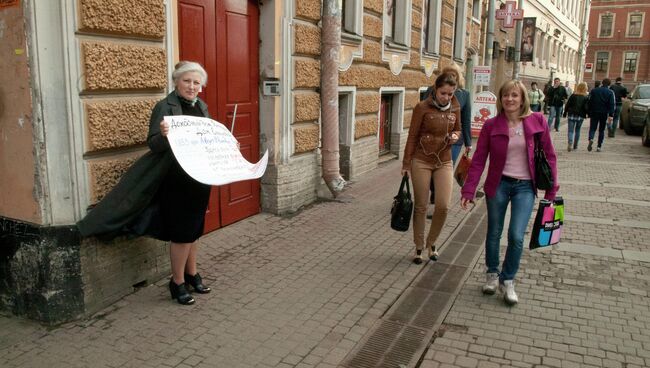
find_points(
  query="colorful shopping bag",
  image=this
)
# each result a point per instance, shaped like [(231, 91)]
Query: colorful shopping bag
[(547, 227)]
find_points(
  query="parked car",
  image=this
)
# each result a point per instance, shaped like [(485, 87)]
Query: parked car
[(634, 111)]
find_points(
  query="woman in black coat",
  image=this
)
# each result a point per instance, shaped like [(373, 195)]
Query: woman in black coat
[(576, 110), (183, 200), (155, 197)]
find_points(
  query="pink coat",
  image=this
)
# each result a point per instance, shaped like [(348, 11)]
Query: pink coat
[(493, 142)]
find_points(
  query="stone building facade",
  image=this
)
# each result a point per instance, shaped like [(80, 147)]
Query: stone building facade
[(557, 41), (89, 72), (619, 41)]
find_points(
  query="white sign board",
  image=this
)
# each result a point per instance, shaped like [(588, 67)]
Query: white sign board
[(482, 75), (483, 108), (208, 152)]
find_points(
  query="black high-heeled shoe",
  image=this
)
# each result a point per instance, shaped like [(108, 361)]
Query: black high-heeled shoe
[(180, 293), (197, 283)]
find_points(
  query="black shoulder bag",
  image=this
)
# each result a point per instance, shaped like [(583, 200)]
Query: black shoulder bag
[(402, 207), (543, 174)]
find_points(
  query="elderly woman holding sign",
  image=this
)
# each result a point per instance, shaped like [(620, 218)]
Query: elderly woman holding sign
[(156, 197), (185, 200)]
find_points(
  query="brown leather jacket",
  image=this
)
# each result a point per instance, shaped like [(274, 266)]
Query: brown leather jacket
[(430, 133)]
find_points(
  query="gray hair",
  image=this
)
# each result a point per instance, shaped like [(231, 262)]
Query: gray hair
[(189, 66)]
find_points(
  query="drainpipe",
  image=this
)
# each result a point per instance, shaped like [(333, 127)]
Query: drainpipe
[(329, 95), (518, 30), (583, 40), (489, 39)]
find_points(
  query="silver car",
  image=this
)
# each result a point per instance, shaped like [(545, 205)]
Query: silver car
[(634, 111)]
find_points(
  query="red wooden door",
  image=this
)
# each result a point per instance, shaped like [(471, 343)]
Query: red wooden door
[(223, 35), (384, 124)]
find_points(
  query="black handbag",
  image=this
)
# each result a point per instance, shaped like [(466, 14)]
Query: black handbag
[(543, 174), (402, 207)]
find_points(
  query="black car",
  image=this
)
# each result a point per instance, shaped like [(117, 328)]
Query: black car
[(634, 111)]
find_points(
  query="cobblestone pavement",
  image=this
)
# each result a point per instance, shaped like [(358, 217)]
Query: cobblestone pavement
[(306, 290), (576, 309)]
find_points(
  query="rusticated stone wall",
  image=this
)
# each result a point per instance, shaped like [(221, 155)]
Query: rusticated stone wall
[(123, 60), (122, 77), (368, 72), (142, 18)]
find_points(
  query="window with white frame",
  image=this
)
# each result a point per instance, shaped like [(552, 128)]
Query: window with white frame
[(606, 26), (397, 22), (431, 26), (476, 10), (459, 31), (351, 17), (634, 25), (602, 61), (630, 61)]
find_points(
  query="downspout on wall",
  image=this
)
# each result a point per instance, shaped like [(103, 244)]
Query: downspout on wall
[(330, 44)]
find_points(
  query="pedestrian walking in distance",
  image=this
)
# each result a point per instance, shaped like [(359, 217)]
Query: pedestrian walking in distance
[(576, 110), (435, 126), (557, 94), (509, 140), (536, 96), (620, 92), (601, 113), (165, 202)]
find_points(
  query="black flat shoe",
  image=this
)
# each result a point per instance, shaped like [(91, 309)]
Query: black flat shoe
[(433, 254), (418, 257), (197, 283), (179, 292)]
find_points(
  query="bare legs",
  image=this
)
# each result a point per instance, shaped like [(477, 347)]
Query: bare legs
[(183, 260)]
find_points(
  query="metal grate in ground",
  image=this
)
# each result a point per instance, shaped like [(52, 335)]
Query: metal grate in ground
[(400, 338)]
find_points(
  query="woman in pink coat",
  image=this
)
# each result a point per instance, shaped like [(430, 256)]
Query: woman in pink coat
[(509, 141)]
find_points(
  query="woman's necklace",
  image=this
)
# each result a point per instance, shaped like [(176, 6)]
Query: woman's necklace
[(515, 128)]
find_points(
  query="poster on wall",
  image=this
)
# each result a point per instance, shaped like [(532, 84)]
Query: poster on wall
[(528, 39), (483, 108), (482, 75), (209, 153)]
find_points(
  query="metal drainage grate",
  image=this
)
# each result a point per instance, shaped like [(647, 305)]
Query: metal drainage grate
[(391, 345)]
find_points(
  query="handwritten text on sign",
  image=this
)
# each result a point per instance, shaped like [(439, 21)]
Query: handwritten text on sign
[(208, 152)]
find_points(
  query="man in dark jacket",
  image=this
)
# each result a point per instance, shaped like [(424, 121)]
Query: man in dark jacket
[(601, 112), (557, 95), (620, 92)]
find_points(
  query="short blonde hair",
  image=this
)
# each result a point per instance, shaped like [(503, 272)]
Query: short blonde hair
[(581, 89), (525, 101), (454, 69)]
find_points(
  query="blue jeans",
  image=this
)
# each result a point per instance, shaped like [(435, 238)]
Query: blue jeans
[(575, 123), (535, 107), (555, 112), (597, 121), (615, 120), (455, 152), (520, 195)]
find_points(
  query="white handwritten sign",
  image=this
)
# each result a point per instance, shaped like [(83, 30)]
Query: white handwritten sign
[(208, 152)]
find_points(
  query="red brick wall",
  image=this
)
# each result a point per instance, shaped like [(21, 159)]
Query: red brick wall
[(618, 43)]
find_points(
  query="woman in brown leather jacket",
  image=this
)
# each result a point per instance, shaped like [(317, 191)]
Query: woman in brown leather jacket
[(435, 126)]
